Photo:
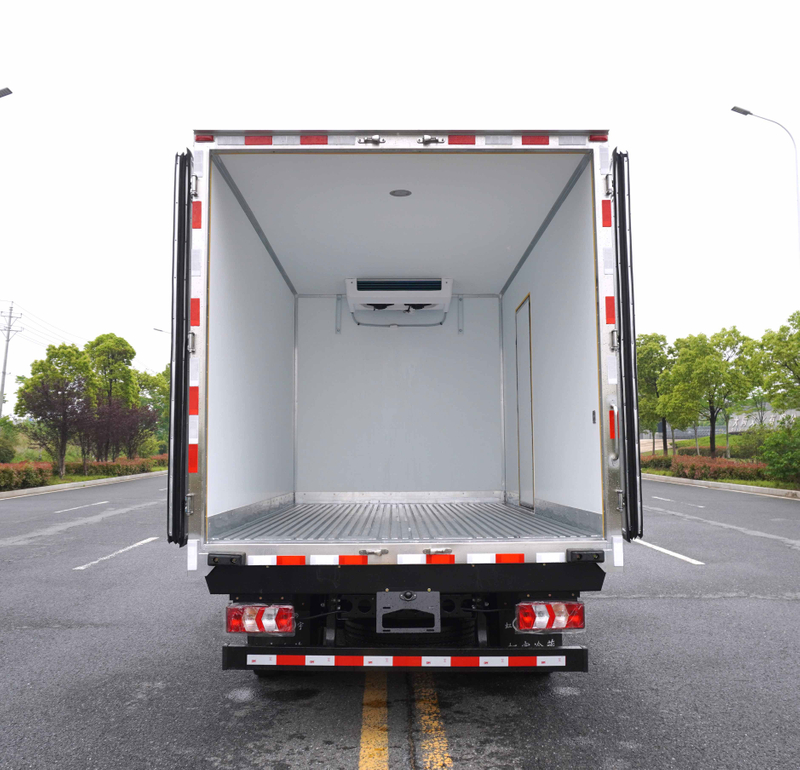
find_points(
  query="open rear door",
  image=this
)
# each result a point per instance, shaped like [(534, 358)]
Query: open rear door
[(179, 385), (629, 417)]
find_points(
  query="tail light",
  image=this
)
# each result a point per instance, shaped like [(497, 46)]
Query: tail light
[(550, 616), (275, 619)]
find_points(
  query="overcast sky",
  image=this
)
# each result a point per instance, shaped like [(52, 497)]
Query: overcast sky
[(106, 93)]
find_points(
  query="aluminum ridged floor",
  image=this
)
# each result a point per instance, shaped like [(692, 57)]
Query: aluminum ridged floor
[(399, 522)]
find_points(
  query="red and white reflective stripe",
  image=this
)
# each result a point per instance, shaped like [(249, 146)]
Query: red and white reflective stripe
[(426, 558), (461, 139), (410, 661), (276, 561), (495, 558), (340, 559)]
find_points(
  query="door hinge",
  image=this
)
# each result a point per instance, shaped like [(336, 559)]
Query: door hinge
[(193, 186), (188, 504), (437, 550), (374, 139), (191, 342), (614, 339), (620, 500), (609, 184), (428, 139), (373, 552)]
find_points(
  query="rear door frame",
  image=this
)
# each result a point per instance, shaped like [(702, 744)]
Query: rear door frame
[(178, 480)]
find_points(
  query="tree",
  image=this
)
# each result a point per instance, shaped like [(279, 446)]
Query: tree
[(652, 360), (681, 406), (54, 399), (117, 389), (781, 359), (111, 358), (154, 392), (713, 371)]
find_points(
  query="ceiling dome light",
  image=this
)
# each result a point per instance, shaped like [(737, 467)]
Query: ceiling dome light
[(400, 193)]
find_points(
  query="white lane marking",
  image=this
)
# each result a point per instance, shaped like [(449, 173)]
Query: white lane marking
[(665, 499), (78, 507), (163, 490), (57, 529), (116, 553), (669, 553), (693, 505), (793, 544)]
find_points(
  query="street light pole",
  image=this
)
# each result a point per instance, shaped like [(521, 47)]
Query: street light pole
[(742, 111)]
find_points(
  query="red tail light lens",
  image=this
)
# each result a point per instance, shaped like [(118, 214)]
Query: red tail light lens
[(550, 616), (274, 619)]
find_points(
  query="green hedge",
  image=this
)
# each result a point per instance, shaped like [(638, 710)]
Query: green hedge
[(710, 468), (24, 475)]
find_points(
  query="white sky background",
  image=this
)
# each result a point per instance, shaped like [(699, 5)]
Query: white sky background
[(106, 93)]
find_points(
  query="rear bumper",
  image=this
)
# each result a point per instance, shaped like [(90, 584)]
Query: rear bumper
[(543, 660)]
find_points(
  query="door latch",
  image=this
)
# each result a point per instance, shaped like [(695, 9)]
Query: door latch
[(437, 550), (428, 139), (374, 139), (191, 342), (373, 551), (188, 504)]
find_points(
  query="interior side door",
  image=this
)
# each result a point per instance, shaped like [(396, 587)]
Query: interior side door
[(524, 403)]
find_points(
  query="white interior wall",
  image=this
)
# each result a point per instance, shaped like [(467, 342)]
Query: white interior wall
[(398, 410), (560, 277), (250, 364)]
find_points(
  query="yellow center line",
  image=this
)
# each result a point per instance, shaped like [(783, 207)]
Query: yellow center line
[(374, 723), (435, 752)]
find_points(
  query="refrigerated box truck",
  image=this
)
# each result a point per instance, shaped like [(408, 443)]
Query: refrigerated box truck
[(404, 421)]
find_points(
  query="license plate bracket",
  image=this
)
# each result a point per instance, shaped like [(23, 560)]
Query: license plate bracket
[(408, 612)]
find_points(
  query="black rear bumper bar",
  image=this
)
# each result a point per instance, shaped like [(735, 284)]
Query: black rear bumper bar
[(544, 659), (449, 578)]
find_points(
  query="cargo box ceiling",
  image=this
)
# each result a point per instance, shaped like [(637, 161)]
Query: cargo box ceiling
[(329, 217)]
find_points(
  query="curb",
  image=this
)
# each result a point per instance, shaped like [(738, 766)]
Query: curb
[(11, 494), (792, 494)]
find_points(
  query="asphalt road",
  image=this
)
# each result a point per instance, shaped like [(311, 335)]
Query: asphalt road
[(117, 665)]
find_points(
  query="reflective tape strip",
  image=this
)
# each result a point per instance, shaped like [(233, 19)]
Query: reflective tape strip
[(444, 662), (339, 559), (411, 558), (197, 262), (230, 140), (494, 662), (495, 558), (198, 163), (204, 137), (194, 399), (371, 660), (551, 557), (571, 141), (461, 139), (319, 139), (192, 463), (440, 558), (409, 661), (262, 660), (612, 425), (341, 139), (194, 429), (262, 561), (498, 139), (320, 660), (598, 137), (285, 139), (257, 140), (535, 140), (290, 561), (191, 554), (197, 215), (611, 311), (606, 213), (194, 311)]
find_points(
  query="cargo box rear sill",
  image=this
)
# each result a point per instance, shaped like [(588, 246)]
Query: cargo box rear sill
[(395, 522)]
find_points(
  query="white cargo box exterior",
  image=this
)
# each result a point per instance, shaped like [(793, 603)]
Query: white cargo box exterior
[(501, 428)]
